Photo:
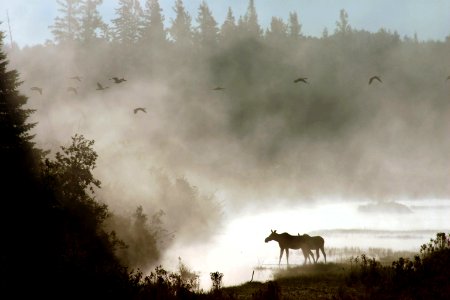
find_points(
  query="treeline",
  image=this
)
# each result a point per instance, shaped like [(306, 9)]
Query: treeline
[(136, 24)]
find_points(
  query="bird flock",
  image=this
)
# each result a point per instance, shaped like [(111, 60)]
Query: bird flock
[(99, 87), (117, 80)]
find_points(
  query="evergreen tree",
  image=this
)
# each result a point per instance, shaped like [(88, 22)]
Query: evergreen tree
[(91, 21), (343, 26), (127, 23), (277, 31), (228, 28), (67, 26), (207, 30), (152, 30), (251, 21), (295, 28), (24, 215), (181, 31)]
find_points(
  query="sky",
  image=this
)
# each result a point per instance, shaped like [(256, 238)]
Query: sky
[(30, 19)]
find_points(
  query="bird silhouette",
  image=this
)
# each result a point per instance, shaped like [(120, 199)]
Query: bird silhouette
[(72, 89), (76, 78), (139, 109), (219, 88), (374, 78), (118, 80), (302, 79), (100, 87), (37, 89), (448, 77)]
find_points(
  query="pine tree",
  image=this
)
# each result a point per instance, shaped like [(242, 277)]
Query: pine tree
[(67, 26), (278, 30), (207, 30), (127, 23), (152, 30), (251, 21), (181, 31), (295, 28), (91, 21), (343, 26), (14, 129), (228, 28), (23, 213)]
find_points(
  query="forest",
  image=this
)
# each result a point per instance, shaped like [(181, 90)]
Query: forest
[(93, 193)]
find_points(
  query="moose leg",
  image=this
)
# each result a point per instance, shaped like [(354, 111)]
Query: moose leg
[(311, 254), (324, 255), (317, 254), (287, 256), (281, 255), (306, 255)]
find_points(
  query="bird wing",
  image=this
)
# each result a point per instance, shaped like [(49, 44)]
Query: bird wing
[(373, 78), (300, 79), (139, 109), (99, 85)]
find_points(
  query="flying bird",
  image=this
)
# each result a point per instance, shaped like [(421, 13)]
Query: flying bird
[(139, 109), (72, 89), (374, 78), (302, 79), (448, 77), (37, 89), (100, 87), (117, 79), (76, 78), (219, 88)]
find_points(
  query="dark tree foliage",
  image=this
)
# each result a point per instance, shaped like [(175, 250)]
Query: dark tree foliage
[(88, 262), (51, 226), (21, 210)]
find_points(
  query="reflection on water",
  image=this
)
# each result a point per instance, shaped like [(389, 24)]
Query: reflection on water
[(240, 248)]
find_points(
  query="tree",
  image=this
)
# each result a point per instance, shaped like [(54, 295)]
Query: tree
[(152, 30), (24, 217), (180, 31), (91, 21), (251, 21), (278, 30), (294, 27), (83, 250), (142, 238), (228, 28), (127, 23), (343, 26), (66, 27), (207, 30)]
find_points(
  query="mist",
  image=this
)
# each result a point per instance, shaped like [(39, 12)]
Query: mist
[(211, 159)]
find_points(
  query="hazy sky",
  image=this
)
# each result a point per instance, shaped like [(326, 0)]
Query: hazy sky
[(30, 19)]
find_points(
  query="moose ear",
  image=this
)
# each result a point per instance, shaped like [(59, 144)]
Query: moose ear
[(271, 230), (274, 231)]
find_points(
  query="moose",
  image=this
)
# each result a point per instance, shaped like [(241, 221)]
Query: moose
[(304, 242)]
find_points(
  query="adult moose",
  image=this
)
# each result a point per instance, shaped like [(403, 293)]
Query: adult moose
[(314, 243), (287, 241)]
